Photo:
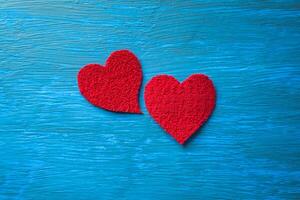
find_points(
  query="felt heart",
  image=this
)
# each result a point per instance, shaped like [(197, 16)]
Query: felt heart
[(116, 85), (180, 109)]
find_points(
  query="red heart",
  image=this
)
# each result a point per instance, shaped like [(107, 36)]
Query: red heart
[(180, 109), (116, 85)]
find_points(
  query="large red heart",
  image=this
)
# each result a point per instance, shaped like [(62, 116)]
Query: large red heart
[(116, 85), (180, 109)]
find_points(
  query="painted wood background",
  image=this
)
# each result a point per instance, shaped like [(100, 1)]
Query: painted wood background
[(55, 145)]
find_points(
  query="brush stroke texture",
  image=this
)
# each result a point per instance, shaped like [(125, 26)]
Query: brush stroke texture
[(55, 145)]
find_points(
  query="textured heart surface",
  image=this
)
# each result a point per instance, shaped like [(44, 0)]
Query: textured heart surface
[(115, 86), (180, 108)]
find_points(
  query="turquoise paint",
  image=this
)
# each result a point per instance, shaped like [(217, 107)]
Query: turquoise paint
[(55, 145)]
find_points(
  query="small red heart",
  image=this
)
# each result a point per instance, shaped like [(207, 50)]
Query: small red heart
[(116, 85), (180, 109)]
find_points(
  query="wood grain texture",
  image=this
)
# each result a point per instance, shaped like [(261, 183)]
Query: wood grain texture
[(55, 145)]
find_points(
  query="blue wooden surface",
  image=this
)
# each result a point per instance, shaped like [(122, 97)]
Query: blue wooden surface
[(55, 145)]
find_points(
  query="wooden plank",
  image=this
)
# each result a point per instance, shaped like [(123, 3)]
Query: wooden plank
[(55, 145)]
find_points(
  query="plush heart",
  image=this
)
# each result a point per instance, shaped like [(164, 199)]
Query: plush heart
[(180, 109), (116, 85)]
